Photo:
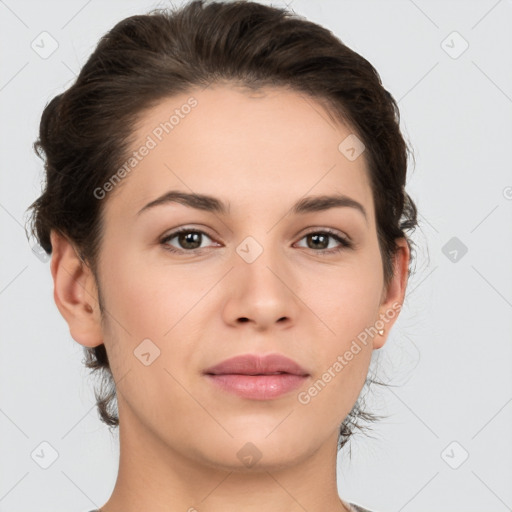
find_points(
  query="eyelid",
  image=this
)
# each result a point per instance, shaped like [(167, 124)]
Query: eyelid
[(329, 231), (185, 229)]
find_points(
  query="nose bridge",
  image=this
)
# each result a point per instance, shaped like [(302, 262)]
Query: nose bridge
[(262, 285), (259, 263)]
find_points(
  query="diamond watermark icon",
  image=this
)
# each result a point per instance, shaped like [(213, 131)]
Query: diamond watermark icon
[(454, 45), (351, 147), (44, 45), (44, 455), (146, 352), (249, 454), (455, 455), (249, 249), (454, 249)]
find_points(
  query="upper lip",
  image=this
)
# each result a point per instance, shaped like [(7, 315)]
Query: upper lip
[(254, 364)]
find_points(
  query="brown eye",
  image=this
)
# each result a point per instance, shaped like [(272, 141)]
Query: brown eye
[(319, 241), (188, 240)]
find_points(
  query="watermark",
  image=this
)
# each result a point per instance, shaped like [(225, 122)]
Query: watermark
[(352, 147), (44, 454), (249, 249), (455, 455), (146, 352), (44, 45), (454, 249), (454, 45), (249, 454), (151, 142), (304, 397)]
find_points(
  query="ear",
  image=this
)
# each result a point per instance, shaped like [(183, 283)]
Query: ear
[(393, 295), (75, 292)]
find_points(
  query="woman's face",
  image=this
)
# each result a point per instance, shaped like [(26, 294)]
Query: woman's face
[(256, 274)]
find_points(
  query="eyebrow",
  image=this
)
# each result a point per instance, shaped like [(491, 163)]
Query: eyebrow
[(212, 204)]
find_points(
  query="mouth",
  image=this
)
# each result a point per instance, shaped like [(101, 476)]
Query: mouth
[(248, 373), (256, 377)]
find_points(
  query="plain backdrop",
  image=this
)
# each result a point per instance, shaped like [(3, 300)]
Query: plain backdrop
[(446, 443)]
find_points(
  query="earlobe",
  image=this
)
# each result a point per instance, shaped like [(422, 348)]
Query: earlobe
[(75, 292), (394, 295)]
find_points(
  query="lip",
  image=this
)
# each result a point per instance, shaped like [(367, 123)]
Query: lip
[(254, 364), (257, 377)]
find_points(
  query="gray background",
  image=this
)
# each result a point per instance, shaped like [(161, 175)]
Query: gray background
[(449, 354)]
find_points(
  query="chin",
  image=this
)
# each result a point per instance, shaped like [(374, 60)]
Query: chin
[(255, 451)]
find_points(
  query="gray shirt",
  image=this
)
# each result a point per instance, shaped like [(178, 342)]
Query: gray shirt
[(356, 508), (351, 506)]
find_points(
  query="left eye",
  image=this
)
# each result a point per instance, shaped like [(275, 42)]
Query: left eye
[(317, 240)]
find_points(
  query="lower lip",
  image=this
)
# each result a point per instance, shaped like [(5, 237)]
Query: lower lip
[(258, 387)]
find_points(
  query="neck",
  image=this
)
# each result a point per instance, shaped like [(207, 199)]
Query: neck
[(155, 477)]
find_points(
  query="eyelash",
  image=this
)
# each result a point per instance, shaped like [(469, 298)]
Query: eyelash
[(344, 242)]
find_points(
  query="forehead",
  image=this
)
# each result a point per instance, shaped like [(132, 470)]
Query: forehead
[(237, 144)]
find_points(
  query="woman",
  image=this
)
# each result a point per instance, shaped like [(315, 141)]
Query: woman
[(227, 218)]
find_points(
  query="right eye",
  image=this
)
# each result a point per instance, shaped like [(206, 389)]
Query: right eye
[(189, 240)]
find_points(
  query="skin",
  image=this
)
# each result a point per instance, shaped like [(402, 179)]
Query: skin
[(179, 434)]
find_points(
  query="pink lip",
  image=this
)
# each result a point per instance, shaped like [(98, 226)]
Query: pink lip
[(258, 377)]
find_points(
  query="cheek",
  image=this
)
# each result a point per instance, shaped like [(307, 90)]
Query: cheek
[(147, 318), (345, 299), (154, 317), (149, 299), (345, 305), (343, 349)]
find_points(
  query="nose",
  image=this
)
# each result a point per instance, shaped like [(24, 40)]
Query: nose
[(262, 293)]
